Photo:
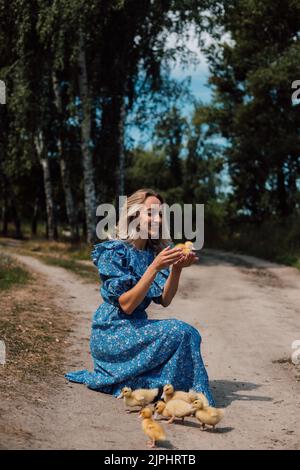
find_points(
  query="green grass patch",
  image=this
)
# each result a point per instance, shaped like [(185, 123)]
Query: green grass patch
[(274, 240), (11, 273), (79, 251), (87, 272)]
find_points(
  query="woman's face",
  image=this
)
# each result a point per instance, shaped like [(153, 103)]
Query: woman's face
[(150, 218)]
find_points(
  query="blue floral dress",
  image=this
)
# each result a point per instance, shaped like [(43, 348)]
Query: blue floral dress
[(132, 350)]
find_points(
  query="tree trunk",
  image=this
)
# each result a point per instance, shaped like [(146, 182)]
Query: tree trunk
[(121, 135), (88, 167), (50, 208), (5, 215), (120, 180), (16, 218), (281, 193), (10, 196), (34, 217), (64, 169)]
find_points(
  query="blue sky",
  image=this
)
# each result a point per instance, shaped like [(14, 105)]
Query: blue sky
[(198, 74)]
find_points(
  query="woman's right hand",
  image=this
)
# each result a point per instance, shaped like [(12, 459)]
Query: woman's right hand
[(167, 257)]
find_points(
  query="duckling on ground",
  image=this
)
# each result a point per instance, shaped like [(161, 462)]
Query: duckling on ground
[(198, 396), (174, 409), (138, 398), (170, 394), (208, 415), (151, 428)]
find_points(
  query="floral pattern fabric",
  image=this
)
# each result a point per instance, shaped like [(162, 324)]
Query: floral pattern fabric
[(133, 350)]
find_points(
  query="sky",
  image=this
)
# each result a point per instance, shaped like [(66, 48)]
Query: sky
[(198, 74)]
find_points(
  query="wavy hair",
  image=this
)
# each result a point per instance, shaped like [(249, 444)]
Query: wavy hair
[(130, 212)]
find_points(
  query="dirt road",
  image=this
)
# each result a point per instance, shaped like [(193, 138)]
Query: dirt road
[(248, 313)]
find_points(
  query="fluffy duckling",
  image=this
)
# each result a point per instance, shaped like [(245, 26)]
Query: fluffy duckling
[(208, 415), (190, 396), (151, 428), (198, 396), (186, 247), (160, 409), (174, 409), (170, 394), (140, 397)]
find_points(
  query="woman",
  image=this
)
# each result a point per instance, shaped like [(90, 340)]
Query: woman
[(127, 348)]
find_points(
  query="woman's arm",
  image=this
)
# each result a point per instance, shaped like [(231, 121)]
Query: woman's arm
[(172, 282), (171, 286), (131, 299)]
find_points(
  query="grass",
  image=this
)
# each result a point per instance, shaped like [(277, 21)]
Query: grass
[(34, 332), (272, 240), (80, 251), (11, 273), (87, 272), (33, 329), (291, 260), (55, 253), (77, 252)]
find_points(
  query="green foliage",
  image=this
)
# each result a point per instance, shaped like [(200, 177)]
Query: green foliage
[(147, 169), (252, 72)]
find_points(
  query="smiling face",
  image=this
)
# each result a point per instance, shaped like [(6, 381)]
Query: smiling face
[(151, 217)]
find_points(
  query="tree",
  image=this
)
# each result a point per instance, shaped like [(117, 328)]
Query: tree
[(253, 61)]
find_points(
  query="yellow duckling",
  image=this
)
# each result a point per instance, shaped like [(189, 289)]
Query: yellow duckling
[(186, 247), (174, 409), (160, 409), (170, 394), (151, 428), (208, 415), (198, 396), (140, 397)]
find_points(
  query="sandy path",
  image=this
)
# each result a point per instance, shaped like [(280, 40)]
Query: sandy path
[(248, 313)]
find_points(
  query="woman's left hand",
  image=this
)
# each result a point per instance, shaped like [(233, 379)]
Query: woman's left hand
[(186, 260)]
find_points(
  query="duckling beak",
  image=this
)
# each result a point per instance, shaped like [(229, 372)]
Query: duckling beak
[(163, 396), (120, 396), (155, 416)]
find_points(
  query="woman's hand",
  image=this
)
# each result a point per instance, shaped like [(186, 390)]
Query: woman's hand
[(186, 260), (167, 257)]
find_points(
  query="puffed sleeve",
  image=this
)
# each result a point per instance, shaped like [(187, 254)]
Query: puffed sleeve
[(111, 259)]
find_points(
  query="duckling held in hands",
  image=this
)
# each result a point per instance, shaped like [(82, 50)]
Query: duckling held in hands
[(151, 428), (174, 409), (207, 415), (140, 397), (186, 247)]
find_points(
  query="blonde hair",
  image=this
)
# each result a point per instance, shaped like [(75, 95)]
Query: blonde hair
[(128, 214)]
